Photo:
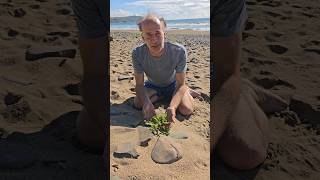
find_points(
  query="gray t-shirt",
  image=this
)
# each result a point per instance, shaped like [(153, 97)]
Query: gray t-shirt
[(160, 71), (91, 17), (227, 17)]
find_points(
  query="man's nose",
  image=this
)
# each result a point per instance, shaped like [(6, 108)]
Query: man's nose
[(154, 38)]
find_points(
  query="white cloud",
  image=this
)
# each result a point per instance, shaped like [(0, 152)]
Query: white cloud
[(175, 9), (119, 13)]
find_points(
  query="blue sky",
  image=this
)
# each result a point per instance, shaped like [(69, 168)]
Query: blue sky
[(169, 9)]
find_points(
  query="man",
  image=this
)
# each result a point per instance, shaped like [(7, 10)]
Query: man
[(239, 127), (92, 23), (164, 64)]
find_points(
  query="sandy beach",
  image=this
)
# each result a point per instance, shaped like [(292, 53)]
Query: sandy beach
[(40, 98), (281, 54), (125, 119)]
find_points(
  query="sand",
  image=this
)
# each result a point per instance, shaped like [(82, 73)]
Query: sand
[(40, 99), (195, 162), (281, 53)]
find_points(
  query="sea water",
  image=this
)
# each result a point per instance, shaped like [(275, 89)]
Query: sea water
[(202, 24)]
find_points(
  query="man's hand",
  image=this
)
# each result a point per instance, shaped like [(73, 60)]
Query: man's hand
[(148, 110), (171, 114)]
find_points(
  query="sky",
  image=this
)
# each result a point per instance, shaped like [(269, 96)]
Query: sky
[(169, 9)]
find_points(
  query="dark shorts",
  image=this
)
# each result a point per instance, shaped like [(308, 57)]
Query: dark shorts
[(91, 17), (165, 92), (227, 17)]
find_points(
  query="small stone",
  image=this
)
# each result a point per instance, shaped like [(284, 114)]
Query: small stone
[(145, 135), (19, 12), (126, 150), (124, 77), (114, 95), (165, 152), (179, 135)]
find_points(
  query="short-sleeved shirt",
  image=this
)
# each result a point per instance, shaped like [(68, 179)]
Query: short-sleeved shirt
[(91, 17), (228, 17), (160, 71)]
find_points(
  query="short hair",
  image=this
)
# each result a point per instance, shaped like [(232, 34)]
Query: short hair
[(150, 17)]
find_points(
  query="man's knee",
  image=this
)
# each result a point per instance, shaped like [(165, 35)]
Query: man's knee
[(137, 103), (185, 110)]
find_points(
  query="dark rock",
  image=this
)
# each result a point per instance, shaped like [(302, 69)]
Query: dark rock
[(19, 12)]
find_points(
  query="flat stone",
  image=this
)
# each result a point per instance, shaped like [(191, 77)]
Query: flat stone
[(179, 135), (36, 53), (145, 135), (126, 150), (165, 151)]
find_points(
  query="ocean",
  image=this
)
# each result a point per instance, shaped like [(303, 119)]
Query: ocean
[(202, 24)]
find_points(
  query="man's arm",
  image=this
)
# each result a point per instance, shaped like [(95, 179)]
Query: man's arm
[(227, 82), (94, 85), (146, 104), (180, 90), (140, 92)]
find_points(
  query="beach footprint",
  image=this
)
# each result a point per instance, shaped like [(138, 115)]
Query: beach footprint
[(277, 48)]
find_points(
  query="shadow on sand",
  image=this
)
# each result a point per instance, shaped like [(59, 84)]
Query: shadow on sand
[(52, 153)]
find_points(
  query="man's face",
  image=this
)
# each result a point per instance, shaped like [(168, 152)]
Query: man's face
[(153, 36)]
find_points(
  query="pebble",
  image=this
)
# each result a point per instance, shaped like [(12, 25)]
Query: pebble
[(165, 152)]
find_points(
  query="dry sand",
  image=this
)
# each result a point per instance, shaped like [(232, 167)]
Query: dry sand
[(40, 99), (281, 52), (195, 162)]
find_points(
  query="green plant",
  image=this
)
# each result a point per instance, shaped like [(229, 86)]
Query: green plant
[(159, 124)]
